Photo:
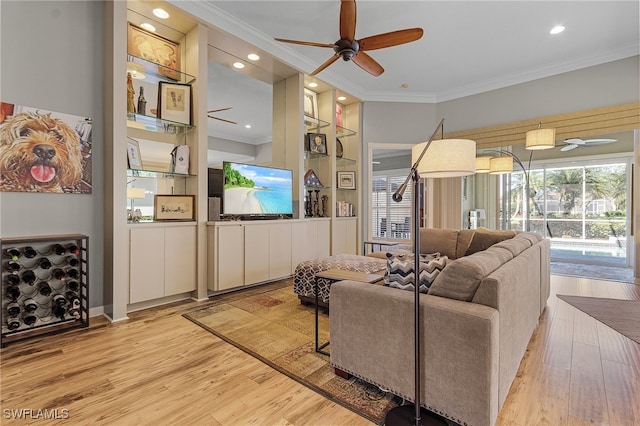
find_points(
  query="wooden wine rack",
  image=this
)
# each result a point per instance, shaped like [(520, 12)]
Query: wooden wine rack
[(54, 303)]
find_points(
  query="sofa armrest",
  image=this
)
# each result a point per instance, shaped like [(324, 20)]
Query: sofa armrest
[(372, 338)]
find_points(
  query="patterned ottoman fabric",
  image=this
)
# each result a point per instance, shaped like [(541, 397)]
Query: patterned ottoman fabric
[(303, 280)]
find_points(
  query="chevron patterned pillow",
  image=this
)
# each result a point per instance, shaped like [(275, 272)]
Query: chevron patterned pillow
[(399, 272)]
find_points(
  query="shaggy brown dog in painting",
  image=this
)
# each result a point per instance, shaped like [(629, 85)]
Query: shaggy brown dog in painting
[(38, 153)]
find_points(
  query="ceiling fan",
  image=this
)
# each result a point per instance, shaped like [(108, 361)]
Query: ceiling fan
[(350, 49), (573, 143), (218, 118)]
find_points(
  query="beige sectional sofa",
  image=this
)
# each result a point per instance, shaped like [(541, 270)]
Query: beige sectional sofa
[(471, 348)]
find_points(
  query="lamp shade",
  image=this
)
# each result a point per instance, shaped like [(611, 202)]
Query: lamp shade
[(501, 165), (446, 158), (540, 139), (483, 164)]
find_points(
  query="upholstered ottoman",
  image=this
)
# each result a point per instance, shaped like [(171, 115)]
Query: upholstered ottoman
[(305, 273)]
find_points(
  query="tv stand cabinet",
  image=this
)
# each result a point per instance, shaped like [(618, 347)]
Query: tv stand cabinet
[(250, 252)]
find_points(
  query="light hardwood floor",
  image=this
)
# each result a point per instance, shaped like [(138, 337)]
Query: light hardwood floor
[(159, 368)]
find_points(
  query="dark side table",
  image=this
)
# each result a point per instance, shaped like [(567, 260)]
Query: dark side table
[(335, 275)]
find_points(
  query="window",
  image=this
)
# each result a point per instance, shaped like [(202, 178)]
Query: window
[(388, 218)]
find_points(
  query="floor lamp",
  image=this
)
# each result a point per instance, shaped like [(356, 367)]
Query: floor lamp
[(447, 158)]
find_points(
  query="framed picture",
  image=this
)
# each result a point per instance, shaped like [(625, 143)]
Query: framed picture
[(174, 102), (133, 154), (339, 119), (156, 49), (347, 180), (174, 207), (310, 103), (317, 143)]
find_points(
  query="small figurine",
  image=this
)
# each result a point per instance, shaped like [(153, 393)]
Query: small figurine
[(131, 108)]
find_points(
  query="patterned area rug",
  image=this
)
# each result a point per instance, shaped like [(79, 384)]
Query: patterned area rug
[(621, 315), (270, 324)]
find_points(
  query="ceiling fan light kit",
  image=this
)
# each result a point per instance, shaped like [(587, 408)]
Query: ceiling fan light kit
[(350, 49)]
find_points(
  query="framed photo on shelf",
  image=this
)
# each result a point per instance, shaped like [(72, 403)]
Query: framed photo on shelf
[(174, 207), (133, 154), (174, 102), (317, 143), (347, 180), (310, 103), (151, 47)]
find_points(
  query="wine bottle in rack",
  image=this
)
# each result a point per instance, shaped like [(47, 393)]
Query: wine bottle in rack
[(73, 273), (59, 299), (73, 286), (74, 304), (59, 311), (73, 249), (44, 263), (29, 277), (13, 253), (29, 318), (13, 279), (13, 267), (72, 261), (29, 252), (30, 305), (13, 309), (13, 323), (58, 274), (59, 249), (13, 292), (44, 288)]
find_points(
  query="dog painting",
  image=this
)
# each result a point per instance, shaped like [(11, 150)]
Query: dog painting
[(44, 151)]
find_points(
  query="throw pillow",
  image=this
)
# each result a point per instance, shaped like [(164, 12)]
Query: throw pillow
[(484, 238), (400, 270)]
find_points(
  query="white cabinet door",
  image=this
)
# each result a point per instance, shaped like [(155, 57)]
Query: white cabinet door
[(351, 241), (230, 255), (300, 242), (339, 237), (256, 253), (323, 239), (279, 250), (146, 276), (179, 260)]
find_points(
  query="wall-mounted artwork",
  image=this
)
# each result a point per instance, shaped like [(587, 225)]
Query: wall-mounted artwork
[(44, 151)]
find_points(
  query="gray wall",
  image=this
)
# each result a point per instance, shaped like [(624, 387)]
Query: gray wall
[(52, 59)]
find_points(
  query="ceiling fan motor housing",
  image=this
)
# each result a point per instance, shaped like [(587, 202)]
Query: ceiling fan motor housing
[(346, 48)]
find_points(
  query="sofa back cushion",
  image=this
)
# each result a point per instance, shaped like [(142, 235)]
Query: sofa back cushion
[(443, 241), (484, 238), (460, 278)]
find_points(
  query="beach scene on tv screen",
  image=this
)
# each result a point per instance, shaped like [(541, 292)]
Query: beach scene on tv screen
[(256, 190)]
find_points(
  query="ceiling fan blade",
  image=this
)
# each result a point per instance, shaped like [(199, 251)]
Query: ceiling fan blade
[(305, 43), (217, 110), (326, 64), (393, 38), (348, 20), (568, 147), (222, 119), (367, 63), (574, 141), (591, 142)]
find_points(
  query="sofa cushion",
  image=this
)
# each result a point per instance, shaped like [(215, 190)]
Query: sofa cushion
[(443, 241), (461, 277), (484, 238), (515, 245), (400, 270)]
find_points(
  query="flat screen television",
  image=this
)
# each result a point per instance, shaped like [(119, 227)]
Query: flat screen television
[(259, 191)]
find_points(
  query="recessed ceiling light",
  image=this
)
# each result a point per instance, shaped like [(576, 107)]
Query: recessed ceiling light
[(253, 57), (342, 98), (247, 126), (313, 84), (404, 85), (161, 13), (557, 29), (238, 65), (147, 26)]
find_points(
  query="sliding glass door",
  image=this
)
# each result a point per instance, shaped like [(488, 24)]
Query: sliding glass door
[(582, 208)]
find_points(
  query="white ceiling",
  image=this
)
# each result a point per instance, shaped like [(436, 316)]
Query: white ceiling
[(468, 47)]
